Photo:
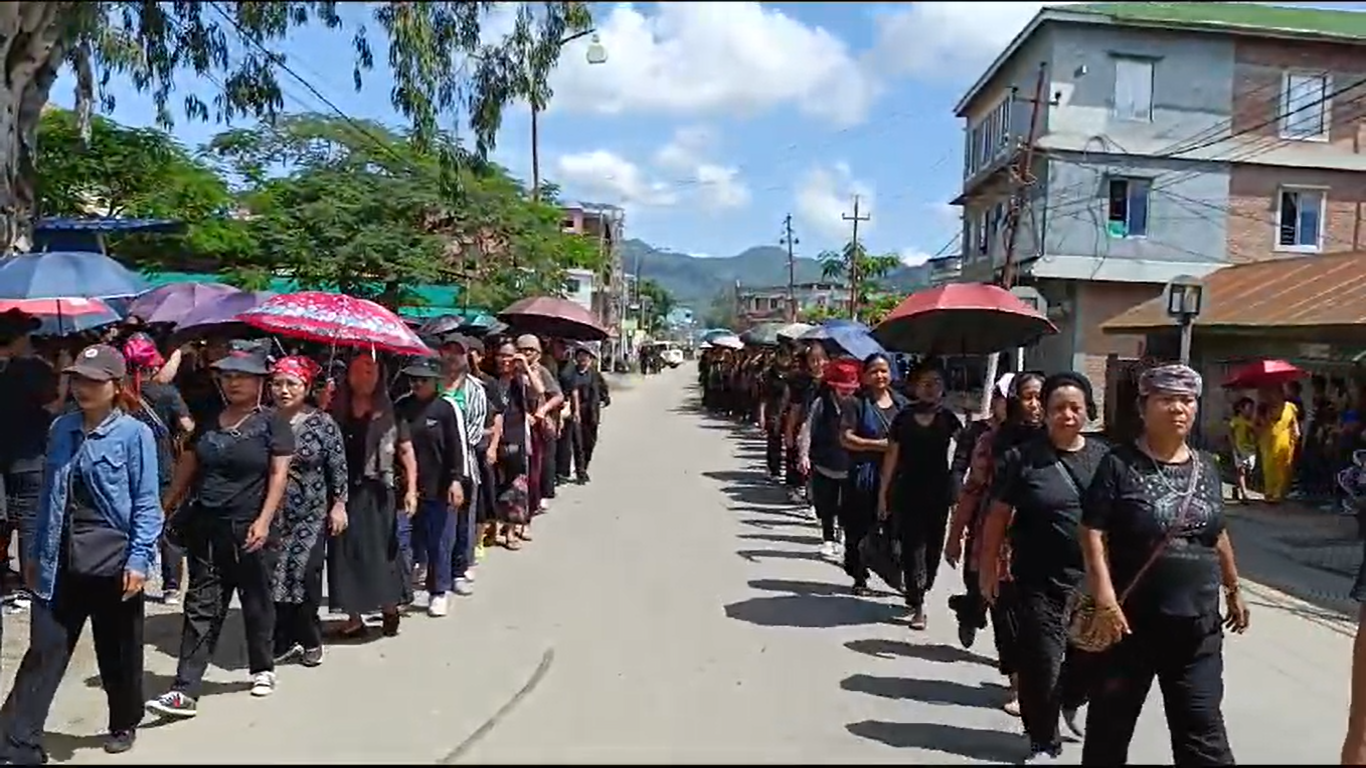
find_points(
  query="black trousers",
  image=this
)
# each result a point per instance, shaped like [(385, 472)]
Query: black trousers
[(825, 497), (298, 623), (1053, 675), (218, 569), (568, 451), (588, 440), (858, 515), (773, 448), (23, 488), (1186, 656), (1005, 628), (117, 626), (549, 451), (921, 528)]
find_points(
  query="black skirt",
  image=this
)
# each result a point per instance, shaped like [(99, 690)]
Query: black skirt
[(366, 567)]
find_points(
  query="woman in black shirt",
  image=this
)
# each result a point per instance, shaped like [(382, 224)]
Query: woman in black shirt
[(235, 474), (917, 484), (1156, 552), (1037, 493), (864, 425)]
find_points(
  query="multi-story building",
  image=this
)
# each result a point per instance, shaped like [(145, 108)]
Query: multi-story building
[(754, 305), (580, 287), (945, 269), (1171, 139), (602, 223)]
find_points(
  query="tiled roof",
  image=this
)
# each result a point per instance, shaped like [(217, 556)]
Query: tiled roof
[(1304, 292), (1248, 18)]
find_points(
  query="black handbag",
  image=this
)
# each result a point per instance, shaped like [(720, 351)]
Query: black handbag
[(93, 549), (881, 552), (512, 459)]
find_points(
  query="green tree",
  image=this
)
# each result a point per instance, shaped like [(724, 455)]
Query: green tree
[(720, 312), (138, 172), (656, 303), (870, 269), (234, 45), (361, 209)]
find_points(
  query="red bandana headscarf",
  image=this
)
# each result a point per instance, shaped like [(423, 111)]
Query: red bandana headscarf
[(296, 367)]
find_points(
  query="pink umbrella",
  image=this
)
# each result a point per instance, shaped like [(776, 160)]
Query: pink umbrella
[(334, 318)]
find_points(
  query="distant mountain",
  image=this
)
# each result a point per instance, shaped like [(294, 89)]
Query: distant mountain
[(695, 280)]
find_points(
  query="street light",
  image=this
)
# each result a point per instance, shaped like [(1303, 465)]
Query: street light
[(1185, 296), (597, 54)]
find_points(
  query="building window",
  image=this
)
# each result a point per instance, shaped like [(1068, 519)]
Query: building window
[(572, 285), (983, 239), (1306, 105), (1128, 207), (989, 138), (998, 222), (1301, 220), (1134, 89)]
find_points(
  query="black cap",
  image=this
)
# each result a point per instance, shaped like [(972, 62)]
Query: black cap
[(423, 368), (454, 338), (249, 357), (99, 362), (16, 322)]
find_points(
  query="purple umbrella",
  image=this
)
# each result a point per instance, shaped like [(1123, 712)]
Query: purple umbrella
[(218, 315), (170, 303)]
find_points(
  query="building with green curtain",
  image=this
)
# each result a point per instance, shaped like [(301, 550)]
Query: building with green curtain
[(431, 300)]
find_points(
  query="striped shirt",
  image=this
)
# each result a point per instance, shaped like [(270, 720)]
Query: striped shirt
[(473, 404)]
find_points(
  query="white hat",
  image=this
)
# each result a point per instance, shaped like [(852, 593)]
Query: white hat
[(1002, 388)]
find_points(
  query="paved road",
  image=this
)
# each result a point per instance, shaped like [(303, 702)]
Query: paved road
[(676, 611)]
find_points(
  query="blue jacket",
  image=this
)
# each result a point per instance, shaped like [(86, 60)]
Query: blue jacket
[(118, 461)]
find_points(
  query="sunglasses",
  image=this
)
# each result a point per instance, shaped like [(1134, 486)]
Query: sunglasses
[(528, 350)]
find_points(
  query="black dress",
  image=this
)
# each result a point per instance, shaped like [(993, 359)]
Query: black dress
[(366, 567)]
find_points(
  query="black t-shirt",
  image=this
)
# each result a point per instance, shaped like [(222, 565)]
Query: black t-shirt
[(923, 451), (1135, 501), (1046, 487), (234, 464), (437, 443), (167, 408), (27, 386)]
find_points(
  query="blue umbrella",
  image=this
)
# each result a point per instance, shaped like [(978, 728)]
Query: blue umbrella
[(65, 275), (715, 333), (848, 336)]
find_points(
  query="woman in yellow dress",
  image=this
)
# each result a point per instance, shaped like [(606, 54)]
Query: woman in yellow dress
[(1277, 438)]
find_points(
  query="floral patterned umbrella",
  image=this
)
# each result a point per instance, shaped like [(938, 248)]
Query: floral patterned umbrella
[(334, 318)]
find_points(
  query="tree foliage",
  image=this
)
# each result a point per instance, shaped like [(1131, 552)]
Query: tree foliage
[(361, 209), (870, 269), (655, 303), (235, 47)]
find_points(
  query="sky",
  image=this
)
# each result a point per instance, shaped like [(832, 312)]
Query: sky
[(711, 122)]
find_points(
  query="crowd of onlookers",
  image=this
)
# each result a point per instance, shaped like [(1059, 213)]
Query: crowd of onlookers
[(300, 481)]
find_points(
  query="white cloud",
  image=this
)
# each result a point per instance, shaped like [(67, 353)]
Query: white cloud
[(914, 256), (613, 178), (826, 195), (713, 58), (948, 40), (688, 153)]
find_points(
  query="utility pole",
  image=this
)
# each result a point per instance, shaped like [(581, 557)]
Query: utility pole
[(1022, 179), (789, 240), (853, 258)]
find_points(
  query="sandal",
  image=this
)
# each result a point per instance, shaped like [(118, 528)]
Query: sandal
[(512, 544), (524, 534), (351, 631)]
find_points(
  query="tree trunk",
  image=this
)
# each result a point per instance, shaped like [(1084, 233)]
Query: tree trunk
[(31, 37)]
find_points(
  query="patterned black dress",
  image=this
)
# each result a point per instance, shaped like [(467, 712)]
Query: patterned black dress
[(317, 480)]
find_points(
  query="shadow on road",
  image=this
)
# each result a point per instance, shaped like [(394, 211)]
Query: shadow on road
[(973, 743), (924, 691), (936, 653), (813, 611), (751, 488), (809, 588), (755, 555), (784, 538), (772, 525)]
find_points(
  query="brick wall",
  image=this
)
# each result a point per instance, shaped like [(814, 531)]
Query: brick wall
[(1253, 204), (1096, 303), (1260, 64)]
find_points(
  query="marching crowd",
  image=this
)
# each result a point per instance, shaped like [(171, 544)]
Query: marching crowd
[(1098, 567), (235, 468)]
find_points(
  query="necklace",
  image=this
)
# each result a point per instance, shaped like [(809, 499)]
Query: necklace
[(1170, 475)]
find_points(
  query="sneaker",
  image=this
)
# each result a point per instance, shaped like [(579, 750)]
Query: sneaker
[(464, 587), (1012, 705), (171, 597), (438, 607), (173, 704), (290, 654), (312, 657), (1041, 757), (544, 505), (19, 604), (918, 620), (263, 684), (119, 742), (828, 550), (469, 574), (1069, 718)]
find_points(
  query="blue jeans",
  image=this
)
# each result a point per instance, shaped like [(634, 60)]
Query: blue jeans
[(433, 540), (466, 535)]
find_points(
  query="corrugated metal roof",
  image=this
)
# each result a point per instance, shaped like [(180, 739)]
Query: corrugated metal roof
[(1303, 292)]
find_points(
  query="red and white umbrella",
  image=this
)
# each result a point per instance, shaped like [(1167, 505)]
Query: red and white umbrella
[(61, 317), (334, 318)]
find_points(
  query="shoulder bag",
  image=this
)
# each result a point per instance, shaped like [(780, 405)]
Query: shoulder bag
[(1084, 630)]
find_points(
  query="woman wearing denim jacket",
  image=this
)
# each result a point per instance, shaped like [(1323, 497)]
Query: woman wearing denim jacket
[(99, 520)]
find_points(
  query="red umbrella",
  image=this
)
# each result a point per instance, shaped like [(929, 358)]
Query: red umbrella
[(1264, 373), (60, 317), (962, 319), (334, 318), (556, 318)]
